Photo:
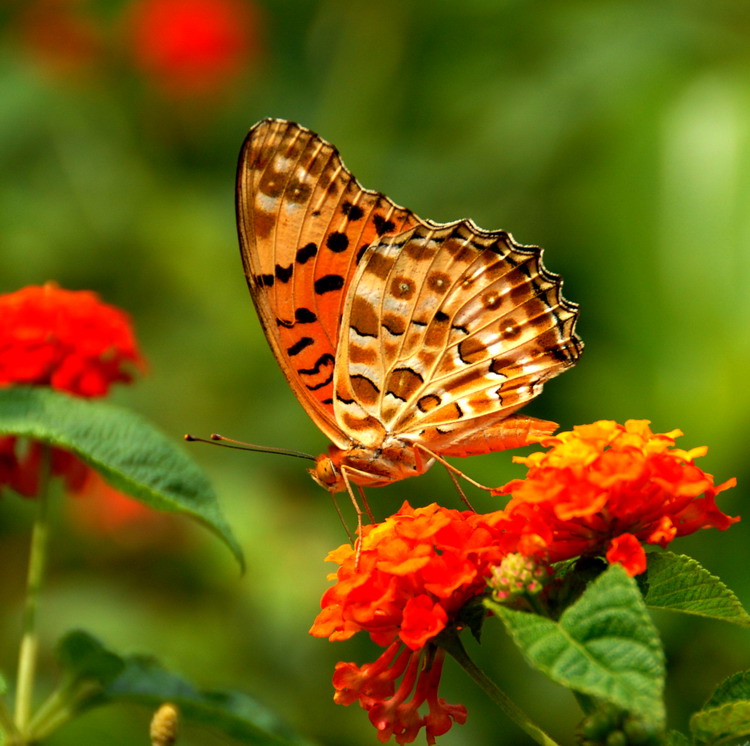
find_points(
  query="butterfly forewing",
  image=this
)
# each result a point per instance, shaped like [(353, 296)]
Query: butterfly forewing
[(304, 221)]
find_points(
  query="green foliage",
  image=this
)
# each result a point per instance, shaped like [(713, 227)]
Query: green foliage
[(604, 645), (679, 583), (726, 714), (129, 452), (94, 676)]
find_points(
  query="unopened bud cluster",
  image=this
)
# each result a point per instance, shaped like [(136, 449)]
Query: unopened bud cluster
[(516, 576)]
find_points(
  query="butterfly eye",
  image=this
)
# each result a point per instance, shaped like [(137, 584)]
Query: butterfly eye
[(325, 472)]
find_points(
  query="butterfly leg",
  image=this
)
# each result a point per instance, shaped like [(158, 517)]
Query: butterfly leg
[(358, 510), (452, 469), (461, 493), (341, 516)]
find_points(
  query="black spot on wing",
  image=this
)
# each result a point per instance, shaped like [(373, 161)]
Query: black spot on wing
[(353, 212), (361, 252), (298, 346), (304, 315), (382, 225), (337, 242), (325, 359), (328, 283), (306, 252), (283, 273), (264, 281)]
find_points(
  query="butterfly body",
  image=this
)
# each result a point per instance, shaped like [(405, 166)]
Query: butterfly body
[(404, 339)]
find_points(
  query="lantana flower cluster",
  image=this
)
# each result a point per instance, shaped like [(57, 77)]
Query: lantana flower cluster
[(601, 490), (607, 489), (66, 340), (409, 579)]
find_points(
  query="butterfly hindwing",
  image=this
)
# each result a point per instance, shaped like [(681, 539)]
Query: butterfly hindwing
[(449, 330)]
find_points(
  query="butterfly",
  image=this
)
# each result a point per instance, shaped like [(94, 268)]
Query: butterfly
[(405, 340)]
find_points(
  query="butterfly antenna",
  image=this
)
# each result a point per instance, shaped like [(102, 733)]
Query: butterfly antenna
[(221, 440)]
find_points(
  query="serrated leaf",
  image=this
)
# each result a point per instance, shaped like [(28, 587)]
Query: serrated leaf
[(679, 583), (129, 452), (732, 689), (603, 645), (723, 723), (142, 680)]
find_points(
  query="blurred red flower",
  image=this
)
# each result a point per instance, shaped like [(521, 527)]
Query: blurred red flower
[(67, 340), (193, 47), (606, 488)]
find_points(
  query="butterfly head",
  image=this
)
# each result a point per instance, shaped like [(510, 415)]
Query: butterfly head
[(327, 474)]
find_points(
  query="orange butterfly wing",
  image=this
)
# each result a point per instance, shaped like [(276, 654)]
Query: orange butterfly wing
[(304, 222)]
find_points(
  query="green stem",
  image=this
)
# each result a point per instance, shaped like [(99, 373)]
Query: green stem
[(60, 706), (450, 642), (30, 640), (7, 726)]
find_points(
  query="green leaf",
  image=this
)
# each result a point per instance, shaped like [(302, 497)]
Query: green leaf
[(603, 645), (85, 660), (732, 689), (129, 452), (679, 583), (723, 723), (96, 676)]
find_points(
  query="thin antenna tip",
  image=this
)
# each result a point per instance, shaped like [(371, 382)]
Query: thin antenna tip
[(216, 436), (189, 438)]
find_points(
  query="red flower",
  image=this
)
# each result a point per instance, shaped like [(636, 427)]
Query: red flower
[(602, 481), (193, 47), (413, 575), (68, 340)]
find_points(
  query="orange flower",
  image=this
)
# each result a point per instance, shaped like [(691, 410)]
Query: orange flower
[(414, 574), (605, 488), (67, 340)]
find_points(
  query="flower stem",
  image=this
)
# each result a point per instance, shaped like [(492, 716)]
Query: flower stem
[(7, 726), (30, 640), (450, 642)]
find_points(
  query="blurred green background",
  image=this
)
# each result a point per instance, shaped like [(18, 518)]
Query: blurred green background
[(615, 134)]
